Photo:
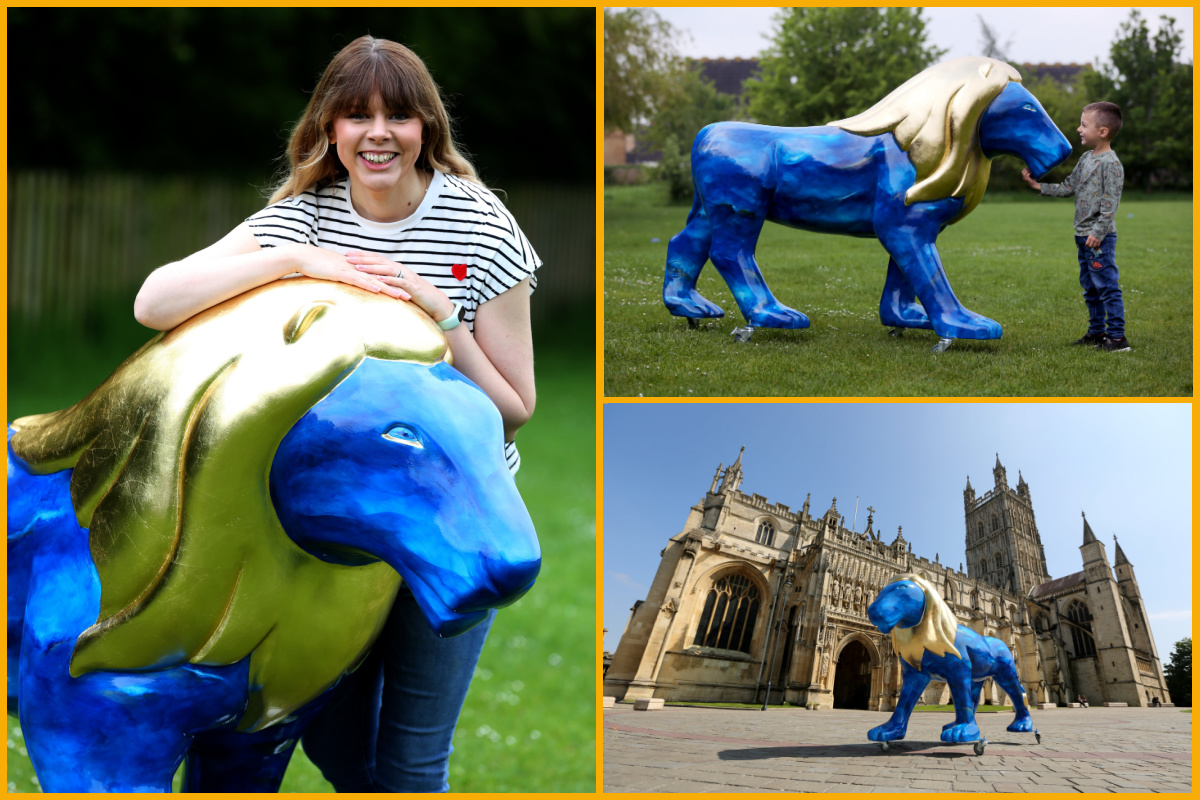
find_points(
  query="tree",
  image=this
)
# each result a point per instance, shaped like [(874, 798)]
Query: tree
[(1179, 673), (639, 57), (830, 63), (990, 43), (688, 102), (1154, 90)]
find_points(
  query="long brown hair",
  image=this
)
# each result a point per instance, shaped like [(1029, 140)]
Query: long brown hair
[(363, 69)]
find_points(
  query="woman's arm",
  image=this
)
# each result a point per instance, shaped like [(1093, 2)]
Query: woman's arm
[(499, 356), (236, 264)]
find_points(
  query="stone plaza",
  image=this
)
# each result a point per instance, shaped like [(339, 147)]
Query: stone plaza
[(694, 749)]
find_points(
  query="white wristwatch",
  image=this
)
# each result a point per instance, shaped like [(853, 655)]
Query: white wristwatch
[(456, 315)]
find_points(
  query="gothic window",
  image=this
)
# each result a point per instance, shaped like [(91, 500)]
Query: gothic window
[(730, 611), (995, 523), (766, 533), (1081, 629), (981, 529)]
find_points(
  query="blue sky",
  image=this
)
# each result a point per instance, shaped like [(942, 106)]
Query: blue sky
[(1129, 466), (1080, 35)]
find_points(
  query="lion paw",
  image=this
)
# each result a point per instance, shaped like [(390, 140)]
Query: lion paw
[(966, 325), (776, 315), (887, 733), (909, 316), (1021, 725), (690, 303), (965, 732)]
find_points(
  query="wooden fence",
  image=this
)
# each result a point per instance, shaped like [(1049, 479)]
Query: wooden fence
[(76, 241)]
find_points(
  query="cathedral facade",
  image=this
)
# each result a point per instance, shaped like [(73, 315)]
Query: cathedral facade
[(754, 600)]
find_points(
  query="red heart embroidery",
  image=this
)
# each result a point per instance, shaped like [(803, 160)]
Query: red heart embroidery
[(459, 271)]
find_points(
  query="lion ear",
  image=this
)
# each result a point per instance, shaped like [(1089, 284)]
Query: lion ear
[(922, 574), (303, 319), (985, 69)]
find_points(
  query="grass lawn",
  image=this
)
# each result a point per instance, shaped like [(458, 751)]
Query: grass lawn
[(529, 724), (1014, 262)]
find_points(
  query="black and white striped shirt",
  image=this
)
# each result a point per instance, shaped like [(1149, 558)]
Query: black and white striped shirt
[(461, 239)]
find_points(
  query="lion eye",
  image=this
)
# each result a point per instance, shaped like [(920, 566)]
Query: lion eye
[(404, 434), (1029, 107)]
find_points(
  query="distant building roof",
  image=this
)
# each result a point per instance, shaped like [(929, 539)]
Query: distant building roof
[(1058, 586), (1063, 73), (728, 74)]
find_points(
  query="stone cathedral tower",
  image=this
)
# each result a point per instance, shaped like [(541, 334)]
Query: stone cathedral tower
[(1004, 548)]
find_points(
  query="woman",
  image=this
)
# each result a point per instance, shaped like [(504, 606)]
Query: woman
[(377, 196)]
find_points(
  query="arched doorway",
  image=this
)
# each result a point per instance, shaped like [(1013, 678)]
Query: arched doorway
[(852, 682)]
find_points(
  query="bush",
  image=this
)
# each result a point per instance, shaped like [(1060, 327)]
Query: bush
[(625, 175), (676, 170)]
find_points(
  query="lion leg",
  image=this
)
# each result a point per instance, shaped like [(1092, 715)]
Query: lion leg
[(734, 237), (229, 761), (1006, 675), (687, 253), (898, 307), (913, 685), (910, 237), (958, 677)]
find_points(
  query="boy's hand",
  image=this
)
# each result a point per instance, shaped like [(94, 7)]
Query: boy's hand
[(1029, 180), (1092, 242)]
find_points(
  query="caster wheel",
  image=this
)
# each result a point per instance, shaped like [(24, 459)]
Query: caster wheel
[(979, 746), (897, 332), (885, 746), (943, 345), (742, 334), (692, 324)]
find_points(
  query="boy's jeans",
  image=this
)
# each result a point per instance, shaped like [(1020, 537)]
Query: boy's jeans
[(1099, 278)]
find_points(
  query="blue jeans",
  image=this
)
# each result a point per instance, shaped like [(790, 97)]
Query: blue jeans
[(1099, 278), (389, 726)]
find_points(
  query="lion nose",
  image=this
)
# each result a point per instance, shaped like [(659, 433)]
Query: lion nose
[(508, 580)]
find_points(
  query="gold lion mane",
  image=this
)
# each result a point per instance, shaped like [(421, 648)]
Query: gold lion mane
[(935, 632), (935, 118), (172, 456)]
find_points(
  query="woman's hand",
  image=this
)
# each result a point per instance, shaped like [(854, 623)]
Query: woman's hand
[(397, 277), (316, 262)]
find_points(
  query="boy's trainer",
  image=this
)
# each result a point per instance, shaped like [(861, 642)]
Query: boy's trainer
[(1090, 340), (1115, 345)]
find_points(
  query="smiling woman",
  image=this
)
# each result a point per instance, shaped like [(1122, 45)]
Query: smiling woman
[(378, 197)]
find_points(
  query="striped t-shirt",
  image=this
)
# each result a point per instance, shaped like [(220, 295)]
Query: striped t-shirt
[(461, 239)]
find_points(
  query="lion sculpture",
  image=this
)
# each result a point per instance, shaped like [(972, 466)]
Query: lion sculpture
[(931, 644), (900, 172), (204, 545)]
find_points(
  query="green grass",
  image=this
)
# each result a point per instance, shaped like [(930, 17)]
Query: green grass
[(529, 723), (1012, 261)]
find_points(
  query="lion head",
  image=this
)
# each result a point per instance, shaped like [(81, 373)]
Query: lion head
[(934, 116), (197, 414), (936, 630)]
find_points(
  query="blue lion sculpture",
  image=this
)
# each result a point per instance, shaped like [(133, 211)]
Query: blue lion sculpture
[(899, 172), (200, 549), (931, 644)]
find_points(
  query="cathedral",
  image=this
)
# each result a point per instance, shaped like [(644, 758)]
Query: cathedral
[(755, 601)]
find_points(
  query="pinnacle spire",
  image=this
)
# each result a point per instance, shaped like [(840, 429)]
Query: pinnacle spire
[(738, 463), (969, 489), (1088, 536), (1121, 559)]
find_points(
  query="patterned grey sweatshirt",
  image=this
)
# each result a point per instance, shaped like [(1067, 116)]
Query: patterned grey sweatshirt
[(1096, 183)]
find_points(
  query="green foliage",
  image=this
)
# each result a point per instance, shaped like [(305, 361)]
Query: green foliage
[(233, 81), (688, 103), (1012, 261), (828, 63), (529, 723), (639, 52), (1178, 673), (675, 169), (1146, 78)]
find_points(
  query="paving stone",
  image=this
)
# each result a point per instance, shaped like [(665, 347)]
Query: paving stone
[(714, 750)]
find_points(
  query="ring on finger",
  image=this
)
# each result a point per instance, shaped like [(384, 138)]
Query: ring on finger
[(400, 272)]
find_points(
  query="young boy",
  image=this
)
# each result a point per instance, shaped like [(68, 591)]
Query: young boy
[(1096, 183)]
